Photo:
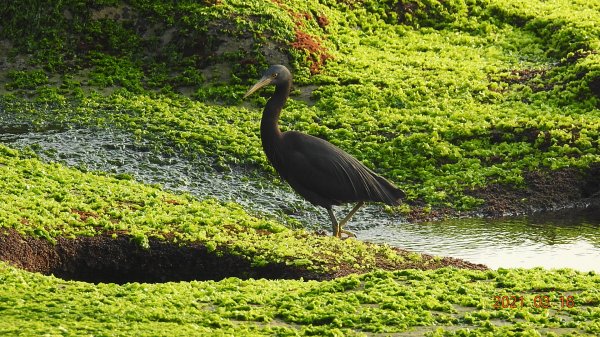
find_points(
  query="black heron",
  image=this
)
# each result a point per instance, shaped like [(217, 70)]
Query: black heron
[(319, 171)]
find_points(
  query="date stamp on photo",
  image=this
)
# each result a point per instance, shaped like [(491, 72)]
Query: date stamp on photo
[(537, 301)]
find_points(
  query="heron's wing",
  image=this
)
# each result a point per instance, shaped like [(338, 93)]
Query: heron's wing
[(323, 173)]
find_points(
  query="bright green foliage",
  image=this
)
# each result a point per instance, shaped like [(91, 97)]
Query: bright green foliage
[(564, 26), (109, 71), (439, 96), (26, 79), (67, 35), (47, 200), (444, 302)]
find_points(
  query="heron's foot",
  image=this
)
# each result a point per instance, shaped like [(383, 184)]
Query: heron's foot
[(348, 233), (338, 232), (336, 227), (341, 231)]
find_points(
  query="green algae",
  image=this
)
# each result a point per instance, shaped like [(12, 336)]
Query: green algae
[(50, 201), (453, 96), (439, 97), (26, 79), (441, 302)]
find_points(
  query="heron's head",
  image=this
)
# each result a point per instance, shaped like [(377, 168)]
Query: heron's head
[(276, 74)]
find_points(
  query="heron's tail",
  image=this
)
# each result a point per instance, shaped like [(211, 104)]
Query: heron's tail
[(389, 193)]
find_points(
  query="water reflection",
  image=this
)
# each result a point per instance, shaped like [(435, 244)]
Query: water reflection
[(546, 240), (551, 240)]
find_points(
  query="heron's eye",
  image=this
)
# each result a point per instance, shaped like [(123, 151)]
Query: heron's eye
[(274, 75)]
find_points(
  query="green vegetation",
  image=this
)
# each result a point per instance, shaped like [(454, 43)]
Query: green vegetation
[(439, 96), (26, 79), (444, 302), (49, 200)]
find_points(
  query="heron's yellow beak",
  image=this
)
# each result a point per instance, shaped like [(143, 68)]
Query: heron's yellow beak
[(261, 83)]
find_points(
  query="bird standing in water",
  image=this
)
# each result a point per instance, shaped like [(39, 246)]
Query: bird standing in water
[(319, 171)]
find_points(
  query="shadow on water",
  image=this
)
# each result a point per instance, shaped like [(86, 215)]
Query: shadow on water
[(552, 240)]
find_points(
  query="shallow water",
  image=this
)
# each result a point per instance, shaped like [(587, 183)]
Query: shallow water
[(569, 240), (553, 241)]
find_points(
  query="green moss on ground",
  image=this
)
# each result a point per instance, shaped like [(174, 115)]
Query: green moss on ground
[(50, 201), (439, 97), (444, 302)]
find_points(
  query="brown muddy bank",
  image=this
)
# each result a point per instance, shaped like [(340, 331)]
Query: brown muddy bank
[(119, 259), (543, 191)]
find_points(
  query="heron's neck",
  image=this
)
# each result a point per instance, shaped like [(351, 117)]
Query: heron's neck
[(269, 128)]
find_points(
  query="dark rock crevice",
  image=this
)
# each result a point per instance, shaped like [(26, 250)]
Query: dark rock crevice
[(105, 259), (120, 259)]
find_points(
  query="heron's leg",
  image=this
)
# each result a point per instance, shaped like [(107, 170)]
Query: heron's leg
[(335, 226), (354, 210), (348, 217)]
